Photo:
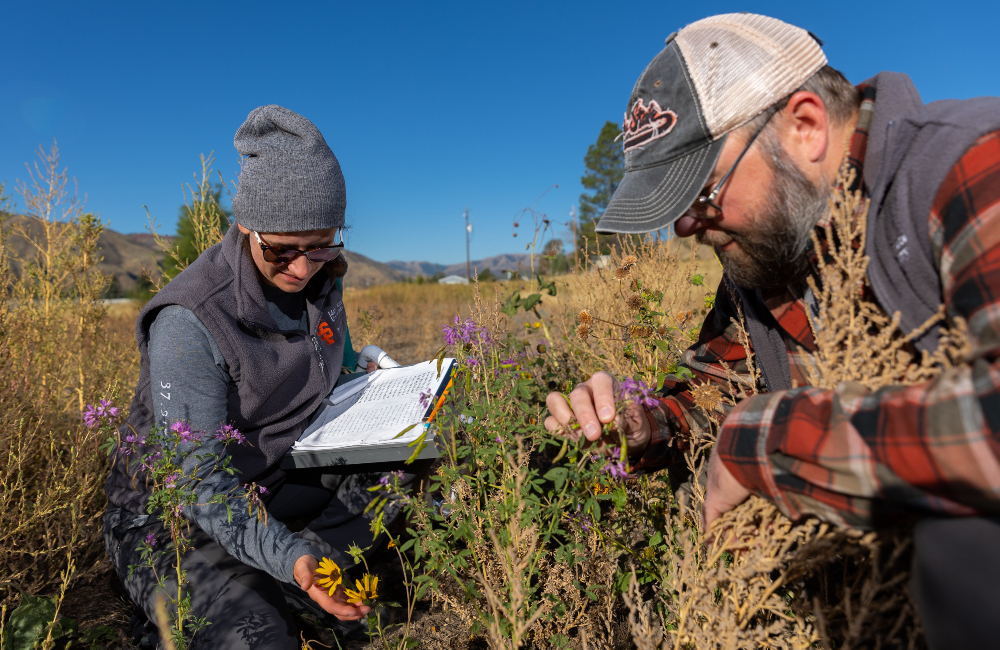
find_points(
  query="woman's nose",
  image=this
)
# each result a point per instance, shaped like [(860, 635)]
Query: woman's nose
[(300, 266)]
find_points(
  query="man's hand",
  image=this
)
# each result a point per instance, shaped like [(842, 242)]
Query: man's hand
[(723, 492), (593, 405), (371, 367), (304, 572)]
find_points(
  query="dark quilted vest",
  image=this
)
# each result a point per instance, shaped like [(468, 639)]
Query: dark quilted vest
[(911, 148), (279, 377)]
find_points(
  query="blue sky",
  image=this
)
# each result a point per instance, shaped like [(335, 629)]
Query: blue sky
[(430, 107)]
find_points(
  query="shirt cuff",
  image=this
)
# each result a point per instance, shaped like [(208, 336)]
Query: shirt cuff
[(299, 548), (661, 450)]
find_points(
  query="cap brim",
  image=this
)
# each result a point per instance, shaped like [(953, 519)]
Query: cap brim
[(652, 198)]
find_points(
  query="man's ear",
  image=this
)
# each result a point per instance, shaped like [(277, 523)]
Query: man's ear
[(243, 229), (808, 127)]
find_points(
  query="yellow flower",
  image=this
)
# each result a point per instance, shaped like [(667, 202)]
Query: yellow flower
[(536, 325), (366, 590), (331, 575), (392, 544)]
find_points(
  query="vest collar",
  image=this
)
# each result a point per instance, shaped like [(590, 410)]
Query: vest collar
[(896, 97)]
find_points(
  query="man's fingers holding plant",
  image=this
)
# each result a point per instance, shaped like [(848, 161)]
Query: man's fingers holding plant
[(590, 406)]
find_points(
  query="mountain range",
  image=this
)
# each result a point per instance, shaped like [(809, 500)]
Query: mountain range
[(496, 265), (127, 255)]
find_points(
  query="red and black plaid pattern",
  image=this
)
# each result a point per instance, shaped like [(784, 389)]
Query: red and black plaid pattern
[(864, 457)]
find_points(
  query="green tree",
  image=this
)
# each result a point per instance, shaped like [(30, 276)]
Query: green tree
[(204, 211), (605, 167)]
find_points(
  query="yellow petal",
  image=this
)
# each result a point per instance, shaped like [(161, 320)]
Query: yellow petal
[(374, 586), (353, 597)]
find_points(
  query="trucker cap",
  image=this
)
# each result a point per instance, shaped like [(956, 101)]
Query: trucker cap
[(713, 76)]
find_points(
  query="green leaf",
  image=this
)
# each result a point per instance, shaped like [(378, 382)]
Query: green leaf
[(403, 432), (662, 346), (557, 475), (440, 358), (531, 301), (698, 280), (29, 623)]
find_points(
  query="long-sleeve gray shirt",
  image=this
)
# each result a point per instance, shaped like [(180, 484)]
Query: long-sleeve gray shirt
[(190, 382)]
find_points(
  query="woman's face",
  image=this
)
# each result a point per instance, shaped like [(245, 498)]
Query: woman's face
[(293, 276)]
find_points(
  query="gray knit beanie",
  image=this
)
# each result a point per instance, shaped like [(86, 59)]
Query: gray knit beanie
[(290, 180)]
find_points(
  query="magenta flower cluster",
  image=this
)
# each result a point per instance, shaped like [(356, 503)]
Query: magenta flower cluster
[(228, 433), (183, 432), (636, 392), (93, 415), (465, 332), (385, 480), (615, 467)]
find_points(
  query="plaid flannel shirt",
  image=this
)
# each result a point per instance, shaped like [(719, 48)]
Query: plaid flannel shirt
[(854, 456)]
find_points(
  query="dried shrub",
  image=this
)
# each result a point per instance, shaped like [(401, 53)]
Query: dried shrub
[(68, 352)]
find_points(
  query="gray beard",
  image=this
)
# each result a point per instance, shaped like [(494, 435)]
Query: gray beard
[(774, 253)]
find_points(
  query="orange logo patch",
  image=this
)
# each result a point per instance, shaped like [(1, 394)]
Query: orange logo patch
[(325, 333)]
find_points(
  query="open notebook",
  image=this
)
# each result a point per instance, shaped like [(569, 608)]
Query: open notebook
[(361, 420)]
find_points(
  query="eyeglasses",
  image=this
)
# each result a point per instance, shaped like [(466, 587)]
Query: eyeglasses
[(279, 255), (705, 207)]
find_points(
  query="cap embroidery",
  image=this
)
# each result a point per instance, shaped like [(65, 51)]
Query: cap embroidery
[(643, 124)]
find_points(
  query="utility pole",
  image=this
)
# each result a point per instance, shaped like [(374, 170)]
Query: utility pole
[(468, 262)]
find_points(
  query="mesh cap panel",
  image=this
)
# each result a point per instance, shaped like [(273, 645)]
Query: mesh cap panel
[(743, 63)]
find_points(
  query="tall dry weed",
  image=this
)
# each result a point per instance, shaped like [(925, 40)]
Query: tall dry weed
[(679, 276), (769, 582), (64, 352)]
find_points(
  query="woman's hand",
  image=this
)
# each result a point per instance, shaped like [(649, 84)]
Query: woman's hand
[(592, 403), (304, 573)]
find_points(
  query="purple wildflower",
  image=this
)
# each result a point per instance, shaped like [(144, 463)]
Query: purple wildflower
[(615, 467), (499, 439), (183, 431), (263, 490), (147, 463), (105, 410), (466, 332), (150, 538), (171, 481), (426, 396), (228, 433), (636, 392), (385, 480), (90, 417)]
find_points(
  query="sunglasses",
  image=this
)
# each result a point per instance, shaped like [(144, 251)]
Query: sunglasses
[(279, 255)]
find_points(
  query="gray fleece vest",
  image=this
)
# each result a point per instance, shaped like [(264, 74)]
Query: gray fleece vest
[(279, 377), (911, 148)]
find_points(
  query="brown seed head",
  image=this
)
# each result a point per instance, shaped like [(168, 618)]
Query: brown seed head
[(635, 301), (583, 317), (641, 331), (583, 331), (707, 396), (661, 330), (629, 261)]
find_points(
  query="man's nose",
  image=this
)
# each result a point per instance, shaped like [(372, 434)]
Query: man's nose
[(687, 225)]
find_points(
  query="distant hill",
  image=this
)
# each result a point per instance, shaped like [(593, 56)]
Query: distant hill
[(495, 264), (126, 255), (364, 272)]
